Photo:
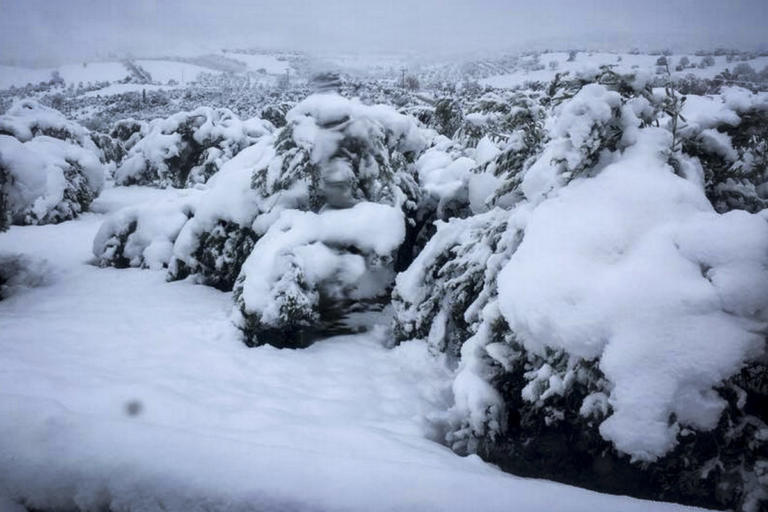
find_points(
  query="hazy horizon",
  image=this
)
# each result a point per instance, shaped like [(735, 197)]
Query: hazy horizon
[(42, 32)]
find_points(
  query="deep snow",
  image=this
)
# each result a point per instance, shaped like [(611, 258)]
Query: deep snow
[(119, 388)]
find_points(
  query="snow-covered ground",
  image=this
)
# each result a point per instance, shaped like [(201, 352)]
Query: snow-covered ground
[(255, 62), (119, 388), (622, 62), (164, 70), (70, 73), (114, 89)]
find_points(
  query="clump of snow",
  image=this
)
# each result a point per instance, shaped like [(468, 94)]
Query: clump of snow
[(634, 268)]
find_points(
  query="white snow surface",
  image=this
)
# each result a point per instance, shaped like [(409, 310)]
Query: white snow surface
[(215, 425)]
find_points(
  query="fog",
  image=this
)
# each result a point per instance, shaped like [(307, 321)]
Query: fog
[(49, 31)]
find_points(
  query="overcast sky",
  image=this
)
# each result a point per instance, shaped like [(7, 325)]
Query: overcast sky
[(46, 31)]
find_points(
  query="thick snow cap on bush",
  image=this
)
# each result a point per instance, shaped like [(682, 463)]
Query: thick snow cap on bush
[(27, 119), (703, 112), (575, 131), (188, 147), (47, 180), (633, 267), (319, 111), (143, 236), (309, 239), (229, 197)]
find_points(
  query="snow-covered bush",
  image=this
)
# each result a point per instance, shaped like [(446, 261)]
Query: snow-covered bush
[(27, 119), (728, 133), (338, 155), (49, 167), (186, 148), (219, 237), (143, 236), (46, 180), (448, 116), (603, 325), (306, 261)]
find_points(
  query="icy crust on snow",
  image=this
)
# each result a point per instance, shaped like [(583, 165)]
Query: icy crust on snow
[(188, 147), (46, 180), (633, 267), (144, 235), (316, 246)]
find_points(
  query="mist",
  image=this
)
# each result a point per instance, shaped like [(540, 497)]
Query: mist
[(40, 32)]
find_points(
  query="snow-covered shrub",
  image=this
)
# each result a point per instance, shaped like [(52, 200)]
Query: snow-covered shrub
[(728, 133), (602, 326), (143, 236), (128, 132), (27, 119), (187, 148), (306, 260), (335, 156), (275, 113), (46, 180), (448, 116), (50, 168), (219, 237)]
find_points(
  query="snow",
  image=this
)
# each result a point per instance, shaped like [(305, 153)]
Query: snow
[(255, 62), (573, 285), (39, 171), (587, 62), (114, 89), (155, 224), (308, 237), (164, 70), (129, 390), (71, 74), (18, 76)]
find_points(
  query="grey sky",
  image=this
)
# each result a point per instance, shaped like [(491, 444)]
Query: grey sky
[(44, 31)]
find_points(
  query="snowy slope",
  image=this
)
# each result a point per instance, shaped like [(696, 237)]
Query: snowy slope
[(217, 426), (164, 70), (623, 62), (70, 73), (269, 63)]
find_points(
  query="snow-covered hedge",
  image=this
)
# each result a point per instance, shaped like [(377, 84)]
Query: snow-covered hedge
[(186, 148), (50, 168)]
